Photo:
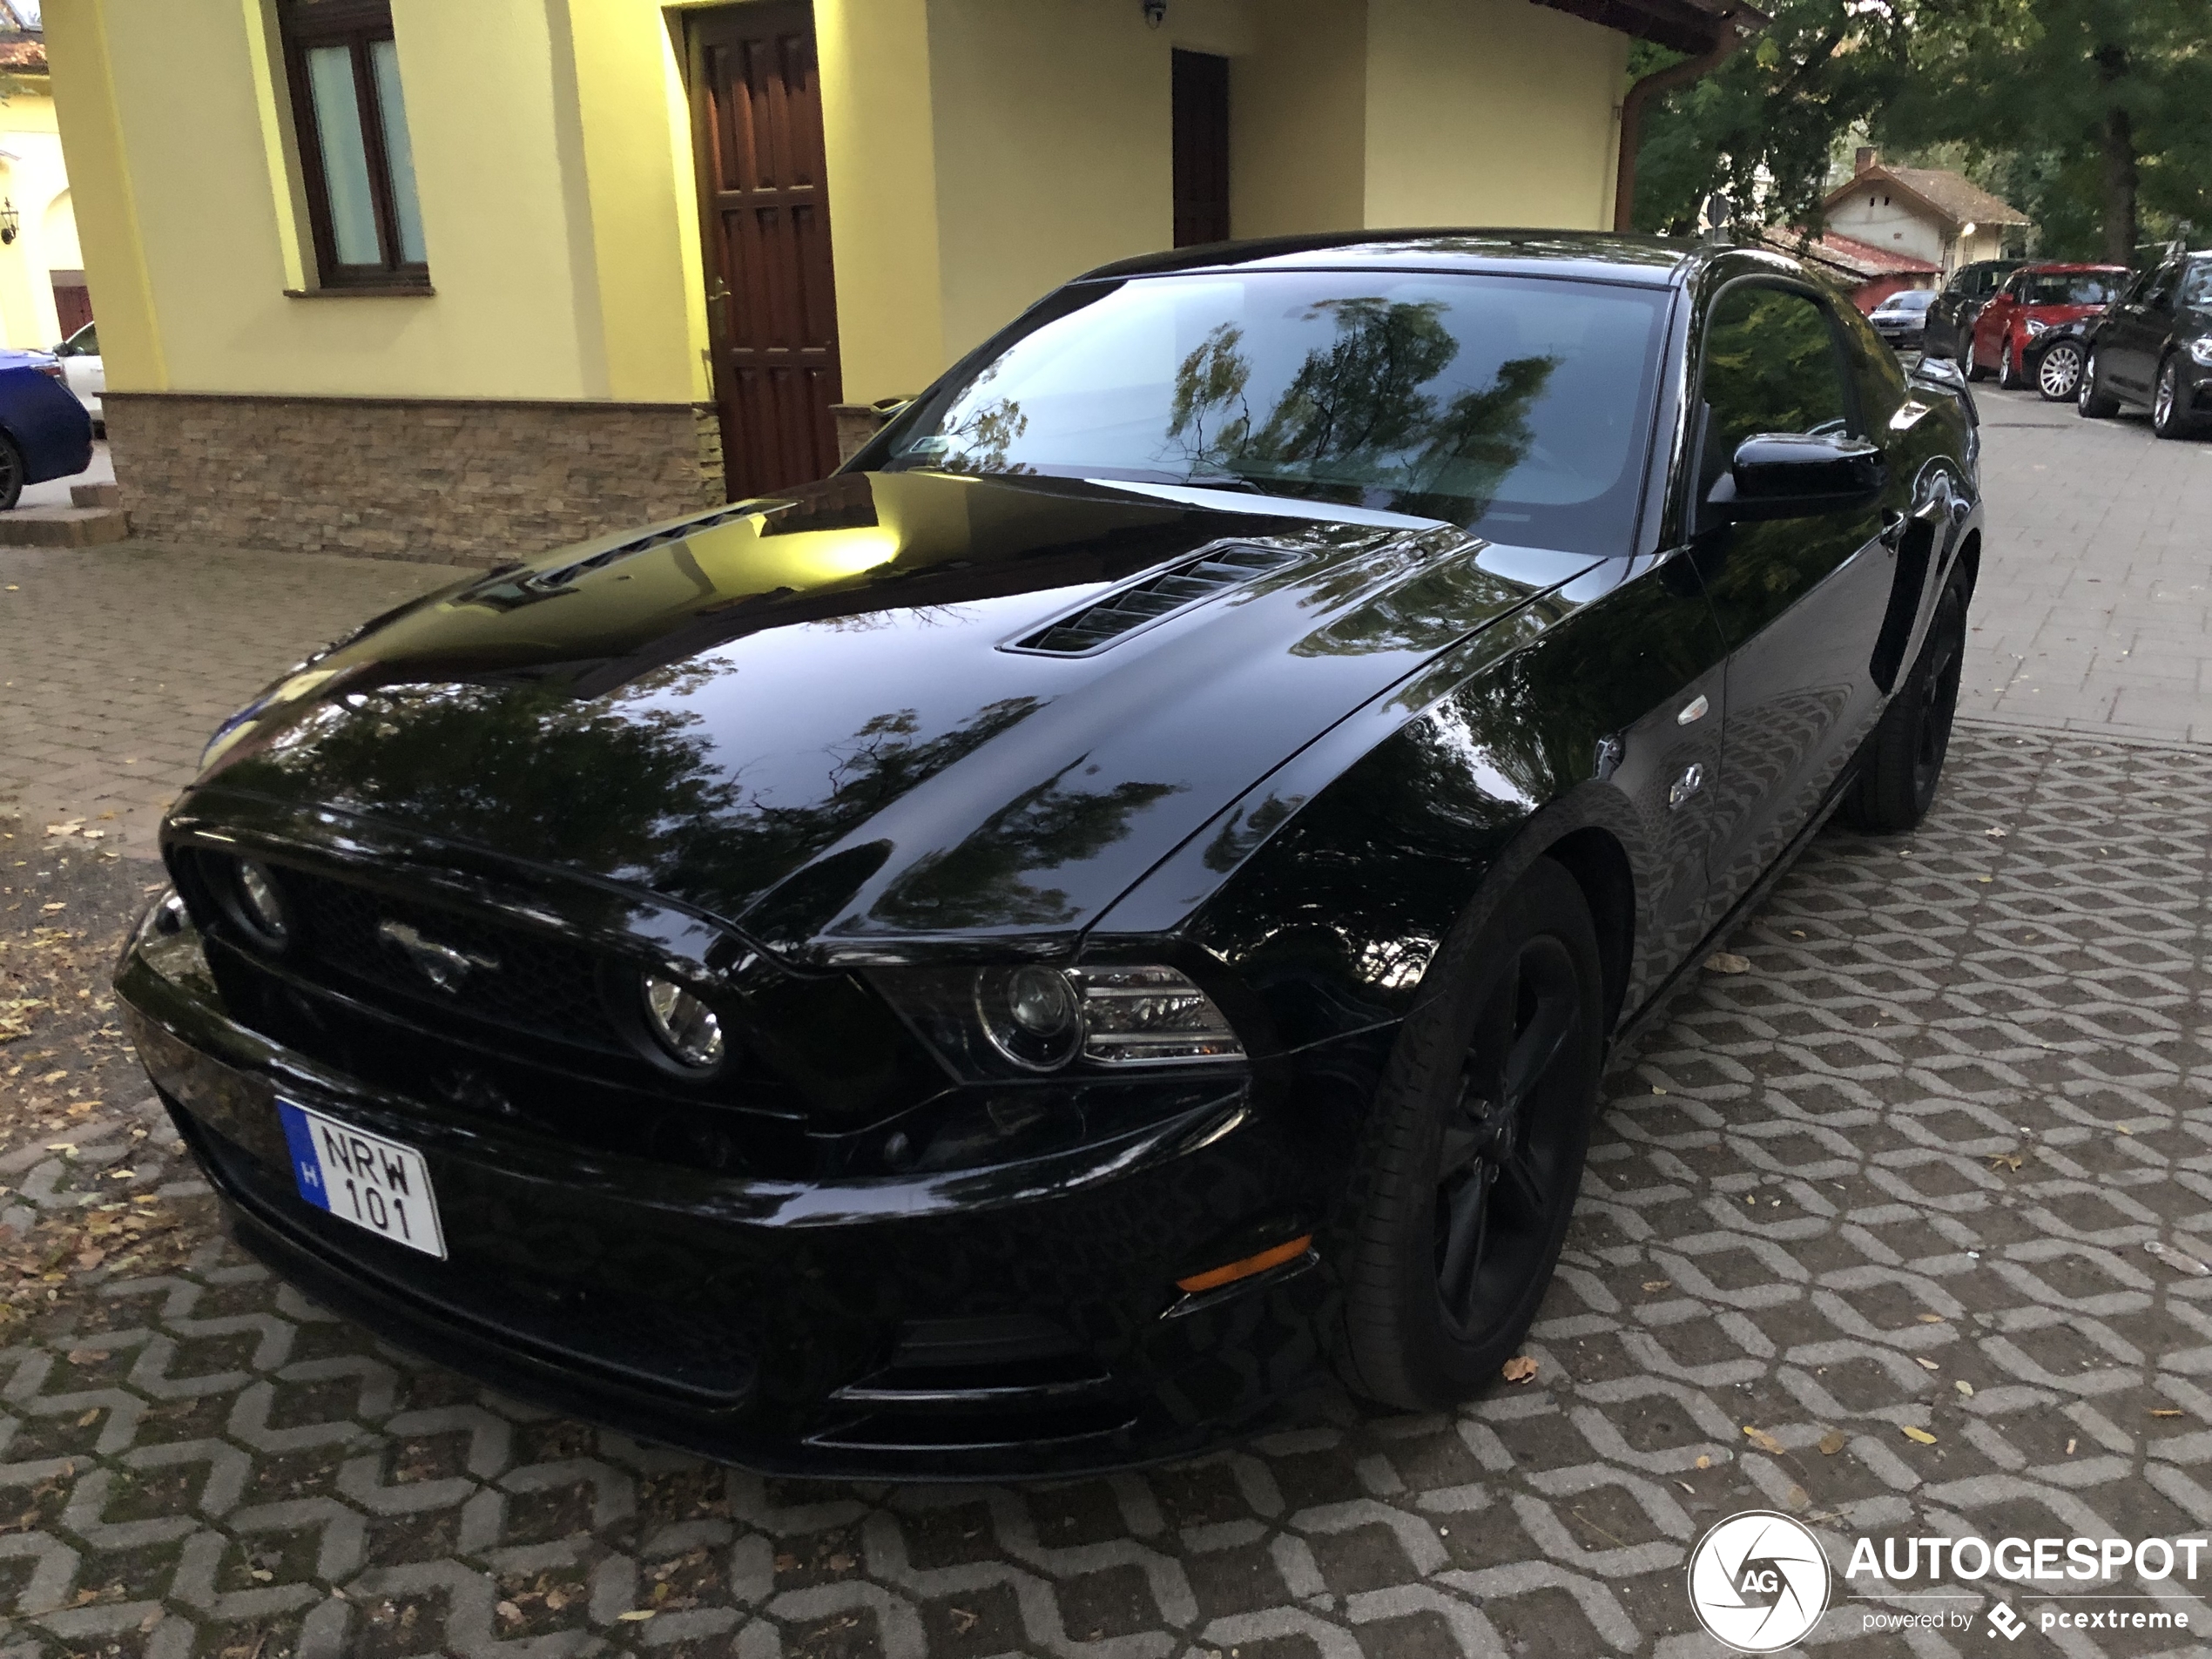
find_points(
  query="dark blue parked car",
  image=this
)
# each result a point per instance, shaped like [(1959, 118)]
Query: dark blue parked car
[(44, 432)]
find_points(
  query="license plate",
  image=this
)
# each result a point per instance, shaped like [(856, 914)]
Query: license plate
[(374, 1183)]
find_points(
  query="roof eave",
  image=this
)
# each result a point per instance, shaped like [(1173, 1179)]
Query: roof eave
[(1692, 26)]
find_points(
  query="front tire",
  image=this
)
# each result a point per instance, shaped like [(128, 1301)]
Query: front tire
[(11, 473), (2057, 377), (2091, 400), (1903, 762), (2169, 414), (1473, 1151)]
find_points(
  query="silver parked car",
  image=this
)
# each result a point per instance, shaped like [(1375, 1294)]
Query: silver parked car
[(83, 371)]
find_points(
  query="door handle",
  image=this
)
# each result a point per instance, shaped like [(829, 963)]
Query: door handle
[(1893, 524)]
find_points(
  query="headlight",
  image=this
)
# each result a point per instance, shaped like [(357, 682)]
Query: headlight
[(688, 1031), (2201, 351), (250, 895), (2035, 327), (987, 1023)]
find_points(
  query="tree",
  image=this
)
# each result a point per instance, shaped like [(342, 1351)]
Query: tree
[(1758, 130), (2093, 113)]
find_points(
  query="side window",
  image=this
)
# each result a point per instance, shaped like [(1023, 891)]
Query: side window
[(2158, 293), (2196, 289), (1874, 368), (1771, 365)]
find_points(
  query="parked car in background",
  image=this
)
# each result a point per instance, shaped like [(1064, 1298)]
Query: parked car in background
[(2152, 348), (2051, 362), (1901, 318), (82, 368), (44, 432), (2027, 302), (1010, 958), (1951, 319)]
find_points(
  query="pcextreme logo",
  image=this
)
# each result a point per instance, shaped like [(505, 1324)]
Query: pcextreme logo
[(1758, 1581)]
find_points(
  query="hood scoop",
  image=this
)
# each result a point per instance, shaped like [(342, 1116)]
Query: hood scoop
[(1107, 622)]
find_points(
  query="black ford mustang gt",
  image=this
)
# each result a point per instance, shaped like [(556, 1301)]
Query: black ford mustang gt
[(1021, 957)]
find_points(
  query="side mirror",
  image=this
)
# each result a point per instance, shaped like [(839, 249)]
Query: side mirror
[(1790, 475)]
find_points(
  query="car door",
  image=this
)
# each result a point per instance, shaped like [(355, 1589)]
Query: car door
[(1992, 319), (2127, 344), (1800, 602)]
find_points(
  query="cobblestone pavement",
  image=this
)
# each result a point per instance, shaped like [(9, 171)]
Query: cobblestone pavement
[(2095, 611), (1923, 1198), (116, 662)]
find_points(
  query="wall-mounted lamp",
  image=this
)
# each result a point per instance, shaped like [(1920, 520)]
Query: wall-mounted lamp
[(10, 219), (1155, 12)]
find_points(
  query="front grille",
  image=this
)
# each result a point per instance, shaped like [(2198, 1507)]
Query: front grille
[(538, 985)]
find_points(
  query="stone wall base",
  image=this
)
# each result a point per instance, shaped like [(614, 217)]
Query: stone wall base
[(440, 481)]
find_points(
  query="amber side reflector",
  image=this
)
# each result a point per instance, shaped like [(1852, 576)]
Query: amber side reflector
[(1274, 1257)]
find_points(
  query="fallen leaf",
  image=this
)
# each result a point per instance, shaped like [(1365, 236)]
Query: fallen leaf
[(1931, 1318), (2165, 1253), (1928, 1365), (1965, 1387), (1984, 880), (89, 1418), (85, 1355), (1658, 1285), (1656, 1090), (88, 1259), (509, 1610), (840, 1562), (152, 1619), (1725, 962), (1519, 1369), (1832, 1442), (1797, 1498), (1996, 834), (2069, 1448), (636, 1616), (1704, 1462), (2124, 1130), (2006, 1161), (786, 1563), (2157, 1411), (51, 907), (963, 1620), (1763, 1440), (1919, 1436)]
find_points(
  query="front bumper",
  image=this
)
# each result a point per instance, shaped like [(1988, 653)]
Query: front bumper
[(1014, 1321)]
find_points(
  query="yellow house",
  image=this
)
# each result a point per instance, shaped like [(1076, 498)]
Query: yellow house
[(43, 294), (464, 278)]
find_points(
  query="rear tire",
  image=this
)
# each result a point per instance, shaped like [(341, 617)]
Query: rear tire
[(2058, 377), (1474, 1149), (2008, 374), (2169, 416), (11, 473), (2091, 400), (1902, 761), (1975, 370)]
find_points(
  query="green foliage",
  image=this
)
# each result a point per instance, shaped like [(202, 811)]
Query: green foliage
[(1758, 129), (2093, 116)]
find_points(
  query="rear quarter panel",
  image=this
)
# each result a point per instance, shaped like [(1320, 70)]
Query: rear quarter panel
[(47, 423)]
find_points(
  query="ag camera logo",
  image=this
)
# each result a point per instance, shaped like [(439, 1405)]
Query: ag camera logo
[(1758, 1581)]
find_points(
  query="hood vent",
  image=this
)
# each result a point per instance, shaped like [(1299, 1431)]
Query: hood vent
[(1126, 610)]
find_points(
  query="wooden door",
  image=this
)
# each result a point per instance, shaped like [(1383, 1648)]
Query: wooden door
[(1201, 105), (763, 212)]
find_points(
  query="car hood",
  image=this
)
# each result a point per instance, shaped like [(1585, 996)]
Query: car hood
[(816, 717), (2056, 314)]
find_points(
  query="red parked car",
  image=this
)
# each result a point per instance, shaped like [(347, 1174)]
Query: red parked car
[(2030, 299)]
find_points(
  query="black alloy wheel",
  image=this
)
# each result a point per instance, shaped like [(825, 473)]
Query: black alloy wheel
[(11, 473), (1474, 1151), (1902, 761), (2091, 400), (2169, 414), (2058, 375)]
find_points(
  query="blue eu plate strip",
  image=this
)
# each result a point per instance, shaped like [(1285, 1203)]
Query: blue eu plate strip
[(307, 1168)]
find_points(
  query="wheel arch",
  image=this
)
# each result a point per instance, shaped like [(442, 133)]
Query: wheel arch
[(1600, 865)]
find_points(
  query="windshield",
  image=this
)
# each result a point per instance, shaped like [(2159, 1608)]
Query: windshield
[(2071, 288), (1911, 300), (1518, 408)]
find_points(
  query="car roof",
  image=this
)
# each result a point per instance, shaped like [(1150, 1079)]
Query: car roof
[(2063, 267), (1650, 261)]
